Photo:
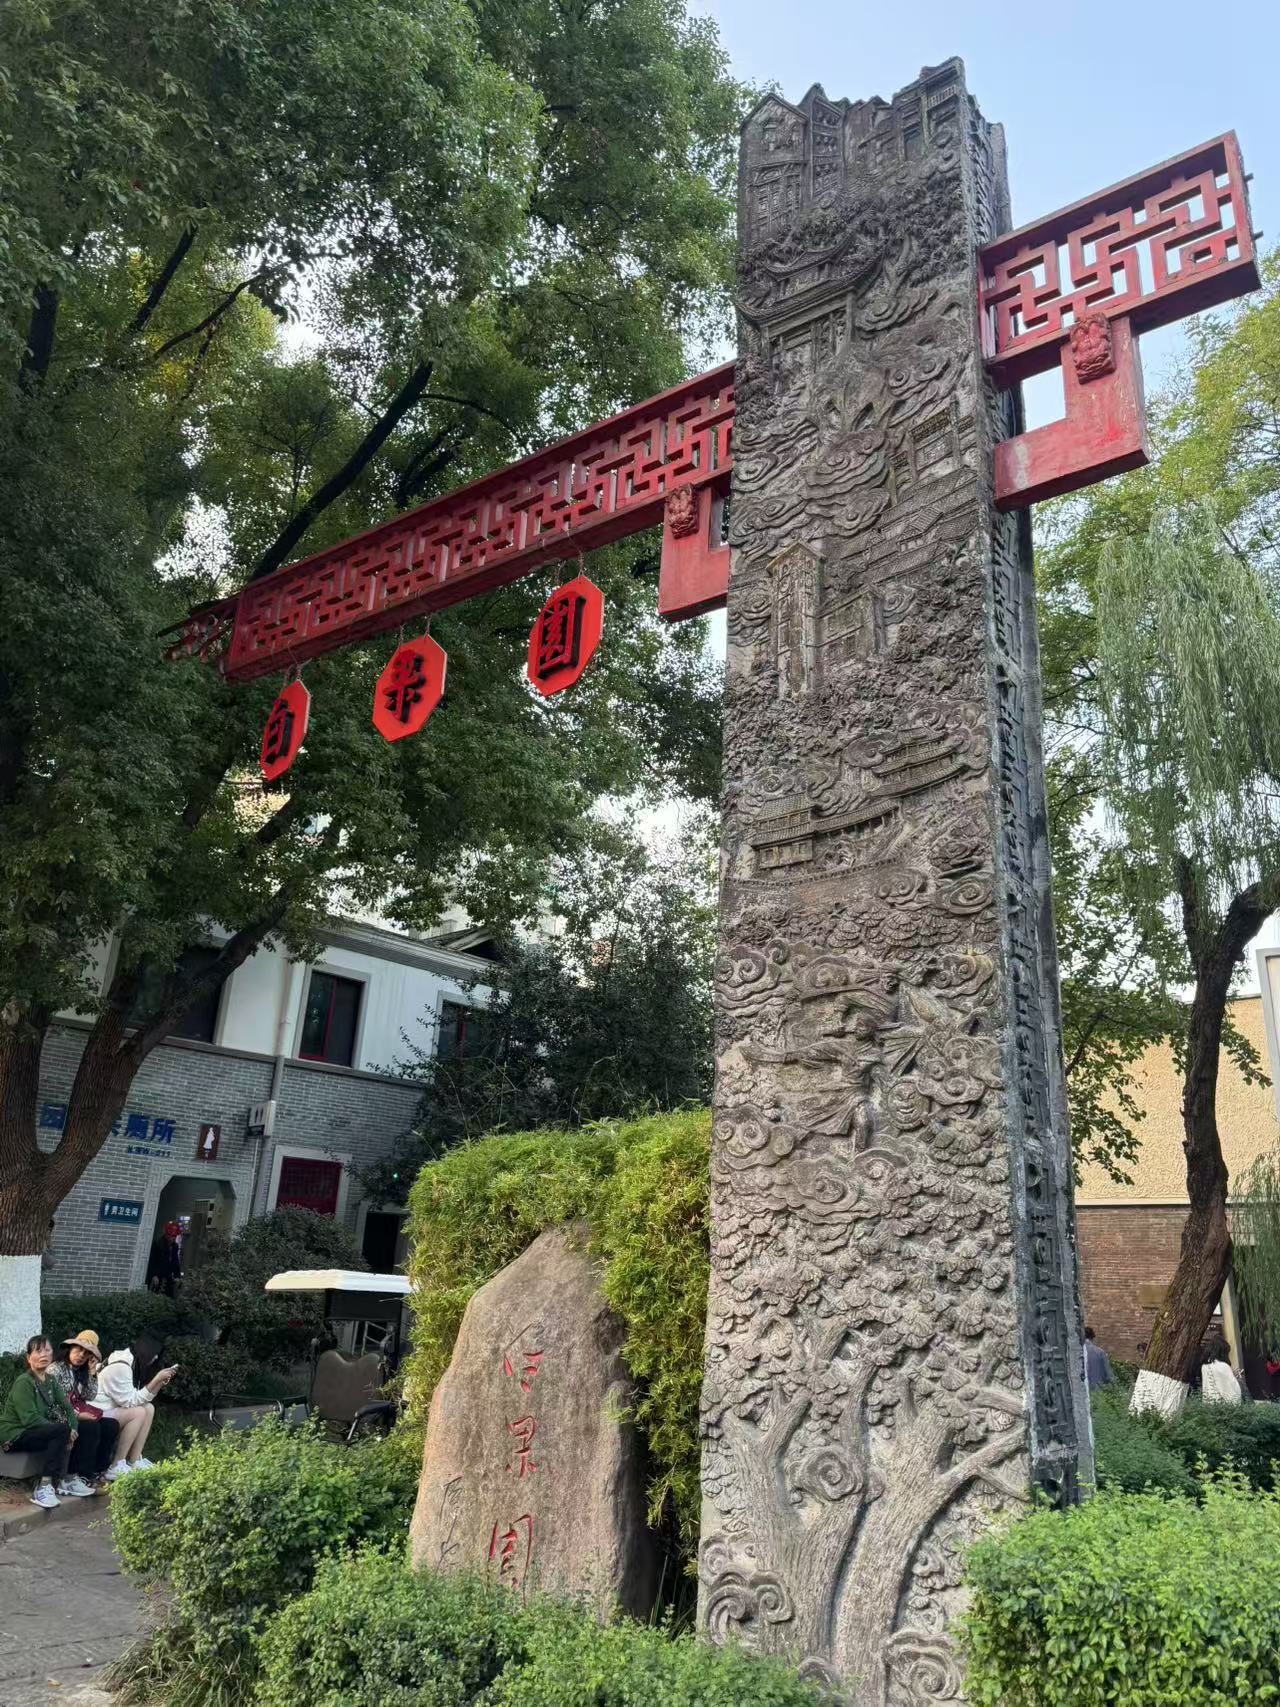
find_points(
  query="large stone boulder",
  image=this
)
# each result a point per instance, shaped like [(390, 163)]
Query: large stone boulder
[(531, 1472)]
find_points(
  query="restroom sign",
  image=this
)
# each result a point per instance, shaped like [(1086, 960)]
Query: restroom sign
[(207, 1143)]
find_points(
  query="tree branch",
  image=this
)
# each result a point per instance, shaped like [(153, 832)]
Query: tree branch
[(212, 318), (39, 350), (162, 281), (337, 483)]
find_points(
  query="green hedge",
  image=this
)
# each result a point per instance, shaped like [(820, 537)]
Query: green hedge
[(118, 1318), (642, 1187), (1132, 1453), (1246, 1436), (238, 1524), (371, 1632), (1148, 1600)]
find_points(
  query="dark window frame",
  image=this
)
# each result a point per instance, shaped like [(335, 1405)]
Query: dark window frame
[(335, 979), (200, 956)]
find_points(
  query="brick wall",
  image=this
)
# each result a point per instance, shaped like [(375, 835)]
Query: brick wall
[(326, 1110), (1124, 1249)]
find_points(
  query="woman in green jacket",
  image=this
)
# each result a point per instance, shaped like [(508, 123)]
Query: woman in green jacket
[(37, 1417)]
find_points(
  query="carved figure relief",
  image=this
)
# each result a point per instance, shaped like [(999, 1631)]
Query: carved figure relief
[(890, 1333)]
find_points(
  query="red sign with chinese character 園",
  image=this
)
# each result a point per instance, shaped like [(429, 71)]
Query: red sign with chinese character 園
[(565, 635), (285, 731), (207, 1143), (409, 689)]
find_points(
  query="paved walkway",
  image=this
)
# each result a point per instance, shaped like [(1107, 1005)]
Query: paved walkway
[(66, 1610)]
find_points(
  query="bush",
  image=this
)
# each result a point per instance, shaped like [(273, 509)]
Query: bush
[(1132, 1453), (271, 1330), (1246, 1436), (239, 1523), (373, 1632), (118, 1318), (642, 1187), (1145, 1599)]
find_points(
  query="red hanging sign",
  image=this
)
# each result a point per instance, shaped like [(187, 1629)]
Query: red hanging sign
[(410, 688), (565, 635), (285, 731)]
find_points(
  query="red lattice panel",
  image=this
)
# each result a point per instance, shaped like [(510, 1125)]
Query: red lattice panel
[(1168, 242), (584, 492)]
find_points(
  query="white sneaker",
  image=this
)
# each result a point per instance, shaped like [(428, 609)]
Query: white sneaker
[(142, 1464), (120, 1468), (45, 1497), (75, 1487)]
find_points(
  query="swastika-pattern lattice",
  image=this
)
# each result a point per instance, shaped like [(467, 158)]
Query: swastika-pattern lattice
[(1158, 246), (584, 492)]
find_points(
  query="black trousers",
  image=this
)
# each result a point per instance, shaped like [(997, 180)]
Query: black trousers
[(51, 1440), (95, 1446)]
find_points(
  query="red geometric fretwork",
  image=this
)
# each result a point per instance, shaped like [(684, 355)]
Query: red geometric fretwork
[(588, 490)]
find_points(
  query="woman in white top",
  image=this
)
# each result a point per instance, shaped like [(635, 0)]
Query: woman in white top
[(132, 1406), (1218, 1383)]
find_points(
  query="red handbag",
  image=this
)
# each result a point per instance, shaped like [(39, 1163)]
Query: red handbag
[(83, 1408)]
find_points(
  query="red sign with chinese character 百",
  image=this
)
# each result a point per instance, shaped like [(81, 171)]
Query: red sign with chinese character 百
[(565, 635), (410, 688), (285, 731)]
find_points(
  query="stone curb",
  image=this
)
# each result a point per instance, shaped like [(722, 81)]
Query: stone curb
[(18, 1523)]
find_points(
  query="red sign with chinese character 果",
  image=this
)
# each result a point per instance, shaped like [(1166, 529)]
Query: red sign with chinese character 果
[(410, 688), (565, 635), (285, 731)]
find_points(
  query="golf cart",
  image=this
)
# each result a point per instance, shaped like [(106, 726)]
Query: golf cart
[(352, 1358)]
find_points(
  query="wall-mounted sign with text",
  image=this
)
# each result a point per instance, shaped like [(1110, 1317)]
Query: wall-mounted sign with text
[(119, 1212)]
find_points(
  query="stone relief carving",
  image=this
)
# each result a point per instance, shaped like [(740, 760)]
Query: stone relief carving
[(891, 1326)]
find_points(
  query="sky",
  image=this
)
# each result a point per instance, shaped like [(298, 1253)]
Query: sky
[(1088, 93)]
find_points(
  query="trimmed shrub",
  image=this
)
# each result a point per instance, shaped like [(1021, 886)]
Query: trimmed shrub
[(642, 1187), (1246, 1436), (1145, 1599), (373, 1632), (118, 1318), (576, 1663), (1132, 1453), (239, 1523)]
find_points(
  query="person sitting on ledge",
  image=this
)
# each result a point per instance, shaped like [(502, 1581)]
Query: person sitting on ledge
[(77, 1370), (37, 1417), (133, 1407)]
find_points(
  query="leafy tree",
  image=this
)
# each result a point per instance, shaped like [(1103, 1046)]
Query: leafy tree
[(1163, 589), (608, 1016), (267, 274)]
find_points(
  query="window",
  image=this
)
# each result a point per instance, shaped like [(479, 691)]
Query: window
[(329, 1023), (465, 1031), (308, 1184), (200, 1024)]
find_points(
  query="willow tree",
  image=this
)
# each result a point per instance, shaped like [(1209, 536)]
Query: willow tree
[(1189, 652), (1255, 1225)]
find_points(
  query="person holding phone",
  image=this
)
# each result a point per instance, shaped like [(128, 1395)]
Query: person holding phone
[(132, 1406)]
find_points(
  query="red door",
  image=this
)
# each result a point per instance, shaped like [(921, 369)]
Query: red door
[(306, 1184)]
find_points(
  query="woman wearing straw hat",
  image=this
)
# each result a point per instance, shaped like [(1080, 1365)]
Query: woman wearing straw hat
[(77, 1370)]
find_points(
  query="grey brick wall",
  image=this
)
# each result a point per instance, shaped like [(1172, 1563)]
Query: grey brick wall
[(333, 1111)]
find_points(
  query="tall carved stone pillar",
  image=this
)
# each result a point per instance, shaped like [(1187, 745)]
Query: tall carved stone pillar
[(893, 1348)]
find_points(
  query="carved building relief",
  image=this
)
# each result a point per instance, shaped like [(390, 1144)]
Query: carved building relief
[(893, 1345)]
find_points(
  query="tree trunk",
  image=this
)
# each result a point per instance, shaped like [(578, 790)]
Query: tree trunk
[(1204, 1262)]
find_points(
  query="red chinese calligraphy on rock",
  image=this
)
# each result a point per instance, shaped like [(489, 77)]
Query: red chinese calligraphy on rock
[(511, 1550), (525, 1367), (410, 688), (285, 731), (523, 1429), (565, 636)]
